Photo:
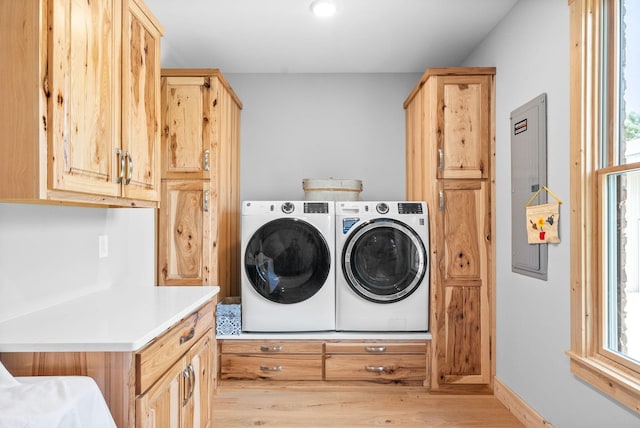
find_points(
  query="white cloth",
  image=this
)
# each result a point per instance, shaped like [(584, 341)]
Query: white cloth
[(6, 379), (53, 401)]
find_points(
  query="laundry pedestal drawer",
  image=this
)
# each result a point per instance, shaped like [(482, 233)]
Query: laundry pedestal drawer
[(274, 360), (387, 362)]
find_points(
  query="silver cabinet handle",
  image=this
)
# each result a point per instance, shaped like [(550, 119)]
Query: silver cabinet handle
[(192, 372), (188, 337), (121, 156), (271, 369), (375, 369), (187, 375), (440, 160), (375, 348), (277, 348), (130, 161), (441, 193), (205, 201), (206, 160)]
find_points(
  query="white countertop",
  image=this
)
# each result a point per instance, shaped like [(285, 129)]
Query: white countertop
[(112, 320)]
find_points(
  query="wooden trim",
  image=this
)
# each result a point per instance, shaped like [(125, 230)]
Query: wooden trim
[(199, 72), (518, 408), (491, 254), (616, 382), (147, 12), (447, 71), (588, 360)]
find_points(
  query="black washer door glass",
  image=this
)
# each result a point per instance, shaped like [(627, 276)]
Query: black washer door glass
[(287, 260), (384, 261)]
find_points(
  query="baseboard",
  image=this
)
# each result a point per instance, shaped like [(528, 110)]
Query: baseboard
[(521, 410)]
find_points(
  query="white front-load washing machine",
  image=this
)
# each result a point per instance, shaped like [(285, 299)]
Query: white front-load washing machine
[(382, 274), (288, 274)]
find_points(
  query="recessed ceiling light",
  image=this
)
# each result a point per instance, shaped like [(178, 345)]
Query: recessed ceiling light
[(323, 8)]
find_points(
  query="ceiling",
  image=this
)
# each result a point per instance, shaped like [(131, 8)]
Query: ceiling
[(283, 36)]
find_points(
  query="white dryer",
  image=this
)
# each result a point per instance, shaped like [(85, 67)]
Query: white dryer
[(288, 274), (382, 274)]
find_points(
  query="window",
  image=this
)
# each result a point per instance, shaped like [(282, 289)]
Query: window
[(605, 196)]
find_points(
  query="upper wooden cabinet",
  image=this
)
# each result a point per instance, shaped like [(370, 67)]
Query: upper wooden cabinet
[(199, 117), (141, 103), (449, 164), (80, 106), (456, 120), (199, 220)]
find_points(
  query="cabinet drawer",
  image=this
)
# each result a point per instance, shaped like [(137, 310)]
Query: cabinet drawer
[(270, 347), (411, 367), (274, 367), (157, 357), (376, 348)]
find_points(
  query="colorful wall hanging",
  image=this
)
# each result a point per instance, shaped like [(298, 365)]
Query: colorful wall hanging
[(542, 220)]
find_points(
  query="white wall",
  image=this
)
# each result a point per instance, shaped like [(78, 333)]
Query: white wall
[(530, 49), (296, 126), (49, 254)]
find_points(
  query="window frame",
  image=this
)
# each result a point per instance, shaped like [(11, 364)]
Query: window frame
[(589, 359)]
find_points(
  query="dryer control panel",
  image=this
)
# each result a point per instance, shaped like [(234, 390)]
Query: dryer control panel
[(410, 208)]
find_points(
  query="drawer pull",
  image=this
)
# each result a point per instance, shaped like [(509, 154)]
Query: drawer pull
[(375, 369), (188, 337), (375, 348), (271, 369), (271, 348)]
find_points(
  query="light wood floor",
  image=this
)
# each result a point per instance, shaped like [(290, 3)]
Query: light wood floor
[(277, 404)]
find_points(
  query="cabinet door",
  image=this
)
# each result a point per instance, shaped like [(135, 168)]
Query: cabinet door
[(462, 128), (460, 263), (197, 410), (186, 253), (187, 126), (160, 406), (140, 104), (84, 95)]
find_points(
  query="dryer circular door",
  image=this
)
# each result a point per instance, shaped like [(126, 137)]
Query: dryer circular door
[(384, 260), (287, 260)]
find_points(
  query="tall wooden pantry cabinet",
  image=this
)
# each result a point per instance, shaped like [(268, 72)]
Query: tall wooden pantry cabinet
[(450, 164), (198, 225)]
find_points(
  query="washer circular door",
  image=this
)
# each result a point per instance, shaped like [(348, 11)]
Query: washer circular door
[(287, 260), (384, 260)]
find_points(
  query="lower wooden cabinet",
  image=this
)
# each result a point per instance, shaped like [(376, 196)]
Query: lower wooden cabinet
[(181, 397), (376, 361), (275, 360), (167, 383), (160, 405), (386, 362)]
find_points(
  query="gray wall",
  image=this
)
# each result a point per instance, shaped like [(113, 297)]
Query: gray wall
[(530, 49), (296, 126)]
